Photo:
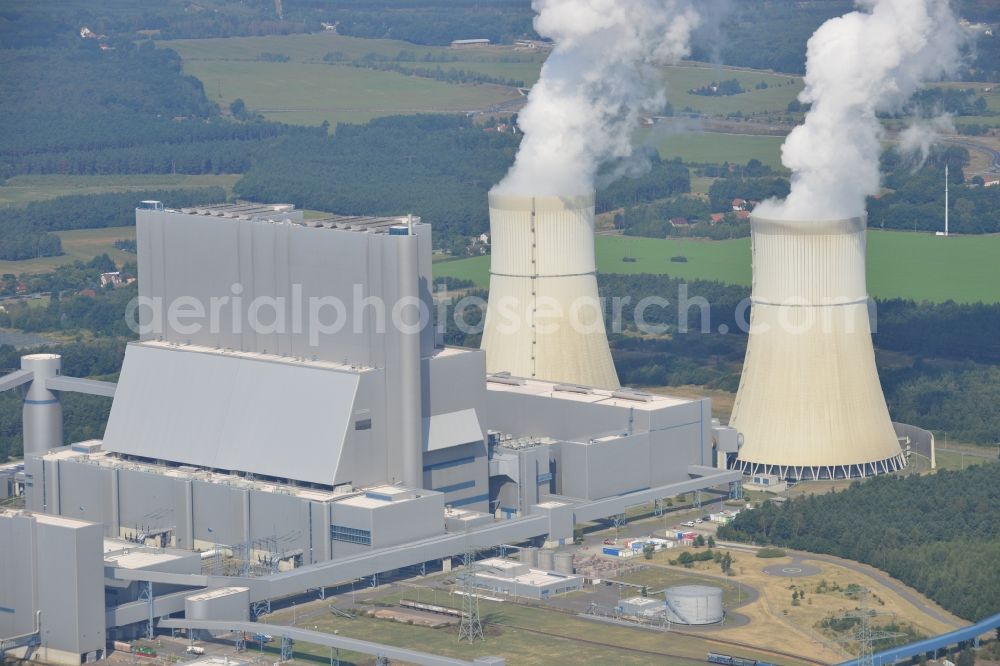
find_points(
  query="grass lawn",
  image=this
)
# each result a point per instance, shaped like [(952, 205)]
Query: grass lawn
[(904, 265), (713, 147), (25, 189), (78, 245), (511, 630)]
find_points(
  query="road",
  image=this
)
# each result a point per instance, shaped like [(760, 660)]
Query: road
[(993, 154)]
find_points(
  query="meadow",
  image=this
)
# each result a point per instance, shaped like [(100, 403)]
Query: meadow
[(20, 190), (305, 90), (712, 147), (78, 245), (917, 266)]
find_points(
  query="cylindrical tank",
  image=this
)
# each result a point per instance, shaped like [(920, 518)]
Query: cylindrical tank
[(529, 556), (563, 563), (809, 403), (695, 604), (545, 560), (544, 319), (41, 409)]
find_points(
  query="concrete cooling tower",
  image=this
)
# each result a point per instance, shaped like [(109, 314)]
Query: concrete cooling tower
[(544, 318), (810, 405)]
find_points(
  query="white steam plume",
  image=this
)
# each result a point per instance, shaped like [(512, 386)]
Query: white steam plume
[(858, 65), (599, 79), (922, 134)]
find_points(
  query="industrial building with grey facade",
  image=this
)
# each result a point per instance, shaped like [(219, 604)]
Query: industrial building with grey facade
[(243, 463)]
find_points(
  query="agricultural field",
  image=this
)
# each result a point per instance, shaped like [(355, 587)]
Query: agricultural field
[(20, 190), (78, 245), (900, 265), (990, 92), (305, 90), (713, 147), (779, 91)]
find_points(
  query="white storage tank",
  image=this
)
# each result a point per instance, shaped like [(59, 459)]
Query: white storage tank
[(529, 556), (694, 604), (546, 561), (563, 563)]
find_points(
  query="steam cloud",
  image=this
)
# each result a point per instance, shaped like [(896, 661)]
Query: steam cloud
[(858, 65), (600, 77)]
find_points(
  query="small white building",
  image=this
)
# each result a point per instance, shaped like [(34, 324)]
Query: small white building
[(469, 43), (643, 607), (500, 576), (769, 483)]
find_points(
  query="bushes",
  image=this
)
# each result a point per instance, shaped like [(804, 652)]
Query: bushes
[(770, 552)]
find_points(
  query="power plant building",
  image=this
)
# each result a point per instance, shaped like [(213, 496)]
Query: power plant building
[(244, 462), (809, 404)]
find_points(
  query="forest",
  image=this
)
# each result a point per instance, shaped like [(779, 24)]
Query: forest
[(937, 533), (440, 167), (26, 231)]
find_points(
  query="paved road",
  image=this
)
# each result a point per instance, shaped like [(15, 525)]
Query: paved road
[(864, 570)]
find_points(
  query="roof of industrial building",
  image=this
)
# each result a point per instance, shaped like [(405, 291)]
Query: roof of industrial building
[(141, 557), (638, 400), (280, 212), (216, 593), (532, 578), (107, 459), (372, 498), (271, 358), (61, 521)]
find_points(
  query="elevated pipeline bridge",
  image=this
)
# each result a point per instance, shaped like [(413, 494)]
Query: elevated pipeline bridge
[(332, 641), (930, 646)]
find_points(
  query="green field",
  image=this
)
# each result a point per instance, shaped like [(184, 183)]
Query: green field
[(781, 89), (307, 91), (304, 90), (25, 189), (900, 265), (522, 633), (78, 245), (714, 148)]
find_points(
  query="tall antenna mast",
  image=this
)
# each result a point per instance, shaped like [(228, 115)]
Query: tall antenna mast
[(945, 199)]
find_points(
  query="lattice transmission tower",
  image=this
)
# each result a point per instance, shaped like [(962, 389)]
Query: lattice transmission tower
[(471, 625), (865, 636)]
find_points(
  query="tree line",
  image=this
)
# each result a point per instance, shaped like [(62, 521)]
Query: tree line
[(937, 533), (27, 231)]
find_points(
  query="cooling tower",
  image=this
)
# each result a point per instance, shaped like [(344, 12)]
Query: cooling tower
[(809, 404), (544, 318)]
